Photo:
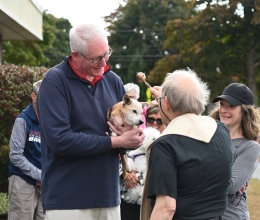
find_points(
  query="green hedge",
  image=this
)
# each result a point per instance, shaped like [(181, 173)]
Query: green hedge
[(4, 203), (15, 89), (4, 171)]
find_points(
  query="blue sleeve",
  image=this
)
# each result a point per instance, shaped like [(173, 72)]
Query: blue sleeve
[(56, 117)]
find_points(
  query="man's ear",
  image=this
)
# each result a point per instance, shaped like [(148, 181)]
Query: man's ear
[(167, 104), (74, 55), (33, 96)]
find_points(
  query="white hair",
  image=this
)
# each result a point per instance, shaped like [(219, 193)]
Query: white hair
[(185, 91), (134, 87), (36, 86), (82, 35)]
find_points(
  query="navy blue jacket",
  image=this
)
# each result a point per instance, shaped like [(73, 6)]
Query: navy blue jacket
[(26, 157), (80, 169)]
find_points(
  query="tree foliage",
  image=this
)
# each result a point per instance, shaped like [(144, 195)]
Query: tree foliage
[(137, 34), (220, 42), (48, 52), (60, 46)]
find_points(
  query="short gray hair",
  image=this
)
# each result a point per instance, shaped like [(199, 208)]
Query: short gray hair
[(186, 92), (36, 86), (134, 87), (82, 35)]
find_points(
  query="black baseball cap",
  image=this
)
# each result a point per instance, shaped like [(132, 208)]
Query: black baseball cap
[(236, 94)]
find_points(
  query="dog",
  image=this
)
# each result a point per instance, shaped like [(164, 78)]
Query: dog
[(137, 162), (132, 112)]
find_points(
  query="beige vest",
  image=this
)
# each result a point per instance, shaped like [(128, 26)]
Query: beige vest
[(201, 128)]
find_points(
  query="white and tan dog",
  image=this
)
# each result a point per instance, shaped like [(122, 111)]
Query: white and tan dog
[(132, 112), (137, 161)]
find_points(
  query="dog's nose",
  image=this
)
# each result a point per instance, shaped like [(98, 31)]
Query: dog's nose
[(140, 122)]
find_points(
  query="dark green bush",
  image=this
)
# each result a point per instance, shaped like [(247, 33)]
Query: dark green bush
[(4, 171), (4, 203), (15, 89)]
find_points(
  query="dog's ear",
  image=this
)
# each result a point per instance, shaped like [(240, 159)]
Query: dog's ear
[(126, 100)]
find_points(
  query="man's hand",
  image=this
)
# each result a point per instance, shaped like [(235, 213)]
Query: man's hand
[(156, 91), (130, 139), (117, 128)]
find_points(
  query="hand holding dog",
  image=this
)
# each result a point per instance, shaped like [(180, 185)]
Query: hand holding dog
[(127, 137), (130, 139), (117, 128)]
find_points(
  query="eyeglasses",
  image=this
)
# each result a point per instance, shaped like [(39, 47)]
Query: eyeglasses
[(160, 104), (98, 59), (151, 120), (159, 100)]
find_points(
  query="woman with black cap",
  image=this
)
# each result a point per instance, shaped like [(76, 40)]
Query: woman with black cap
[(242, 118)]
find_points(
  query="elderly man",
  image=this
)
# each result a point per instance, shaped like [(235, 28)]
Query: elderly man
[(80, 163), (190, 164)]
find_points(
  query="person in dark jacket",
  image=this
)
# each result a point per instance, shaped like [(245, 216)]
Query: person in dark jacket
[(25, 164), (189, 165), (80, 162)]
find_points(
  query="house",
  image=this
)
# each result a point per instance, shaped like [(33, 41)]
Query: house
[(20, 20)]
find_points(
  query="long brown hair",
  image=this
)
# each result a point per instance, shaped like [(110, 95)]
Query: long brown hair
[(250, 124)]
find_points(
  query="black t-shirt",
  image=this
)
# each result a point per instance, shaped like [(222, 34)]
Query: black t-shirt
[(195, 173)]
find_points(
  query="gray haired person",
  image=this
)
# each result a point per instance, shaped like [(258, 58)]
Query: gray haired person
[(36, 86), (132, 90), (189, 168), (80, 163), (25, 164)]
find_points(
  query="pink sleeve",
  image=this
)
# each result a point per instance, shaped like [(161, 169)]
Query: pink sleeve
[(143, 117)]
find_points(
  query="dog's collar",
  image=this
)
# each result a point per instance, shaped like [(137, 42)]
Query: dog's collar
[(135, 156)]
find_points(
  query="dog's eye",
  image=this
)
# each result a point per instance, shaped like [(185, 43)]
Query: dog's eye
[(135, 111)]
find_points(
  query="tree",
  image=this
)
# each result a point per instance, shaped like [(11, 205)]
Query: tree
[(219, 42), (137, 34), (60, 46)]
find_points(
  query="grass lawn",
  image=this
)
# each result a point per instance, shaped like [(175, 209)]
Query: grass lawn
[(253, 199)]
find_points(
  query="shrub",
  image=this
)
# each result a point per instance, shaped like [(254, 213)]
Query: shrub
[(4, 163), (4, 203), (15, 89)]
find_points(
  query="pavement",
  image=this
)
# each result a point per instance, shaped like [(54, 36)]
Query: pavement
[(256, 174)]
